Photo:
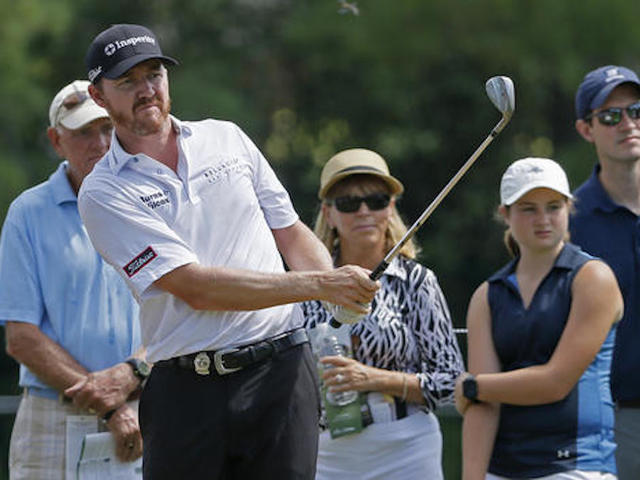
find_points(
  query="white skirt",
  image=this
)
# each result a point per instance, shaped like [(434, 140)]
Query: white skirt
[(410, 448)]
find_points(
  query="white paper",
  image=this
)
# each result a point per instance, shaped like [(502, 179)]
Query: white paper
[(381, 406), (77, 427), (98, 460)]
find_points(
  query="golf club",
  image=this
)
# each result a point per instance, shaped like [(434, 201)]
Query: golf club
[(501, 92)]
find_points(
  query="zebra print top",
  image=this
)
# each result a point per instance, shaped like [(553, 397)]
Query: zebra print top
[(408, 330)]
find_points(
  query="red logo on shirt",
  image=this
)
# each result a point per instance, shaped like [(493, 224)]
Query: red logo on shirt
[(140, 261)]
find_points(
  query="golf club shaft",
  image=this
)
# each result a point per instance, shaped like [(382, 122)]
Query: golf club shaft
[(382, 266), (501, 93)]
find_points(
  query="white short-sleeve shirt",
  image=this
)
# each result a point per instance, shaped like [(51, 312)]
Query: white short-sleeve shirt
[(217, 210)]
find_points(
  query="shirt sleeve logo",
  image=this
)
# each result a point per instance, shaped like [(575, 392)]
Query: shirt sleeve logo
[(140, 261)]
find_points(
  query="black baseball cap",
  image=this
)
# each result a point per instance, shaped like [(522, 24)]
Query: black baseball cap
[(120, 47)]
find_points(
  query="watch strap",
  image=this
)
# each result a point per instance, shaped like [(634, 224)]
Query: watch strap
[(470, 389)]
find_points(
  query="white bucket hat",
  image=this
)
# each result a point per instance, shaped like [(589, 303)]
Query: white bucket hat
[(525, 174)]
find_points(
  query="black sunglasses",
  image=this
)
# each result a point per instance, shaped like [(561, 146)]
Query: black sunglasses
[(350, 204), (613, 116)]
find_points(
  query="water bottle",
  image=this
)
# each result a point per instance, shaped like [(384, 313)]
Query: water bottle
[(342, 412), (330, 346)]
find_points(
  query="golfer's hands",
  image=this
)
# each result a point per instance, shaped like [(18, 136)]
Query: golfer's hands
[(105, 390), (349, 374), (344, 315), (349, 287), (124, 426)]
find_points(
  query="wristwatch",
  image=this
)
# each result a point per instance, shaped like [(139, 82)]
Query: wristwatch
[(470, 388), (141, 369)]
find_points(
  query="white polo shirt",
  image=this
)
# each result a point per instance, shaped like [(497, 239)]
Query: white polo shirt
[(218, 210)]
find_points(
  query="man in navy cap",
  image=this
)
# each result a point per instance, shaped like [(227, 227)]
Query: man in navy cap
[(606, 224), (195, 220)]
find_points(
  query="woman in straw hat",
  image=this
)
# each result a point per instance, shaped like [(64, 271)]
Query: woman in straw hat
[(406, 357), (541, 334)]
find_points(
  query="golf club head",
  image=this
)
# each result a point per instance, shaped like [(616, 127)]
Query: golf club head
[(502, 94)]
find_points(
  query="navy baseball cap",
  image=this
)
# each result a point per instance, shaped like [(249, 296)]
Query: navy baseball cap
[(598, 84), (119, 48)]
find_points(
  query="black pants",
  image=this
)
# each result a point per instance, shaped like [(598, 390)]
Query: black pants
[(260, 422)]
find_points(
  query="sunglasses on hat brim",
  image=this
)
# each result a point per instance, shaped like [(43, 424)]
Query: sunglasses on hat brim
[(71, 102)]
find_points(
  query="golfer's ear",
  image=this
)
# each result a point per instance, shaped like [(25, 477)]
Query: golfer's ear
[(584, 129), (96, 94)]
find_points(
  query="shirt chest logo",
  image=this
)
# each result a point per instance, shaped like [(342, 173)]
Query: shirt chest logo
[(156, 199), (222, 170)]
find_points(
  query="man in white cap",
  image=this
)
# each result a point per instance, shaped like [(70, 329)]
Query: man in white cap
[(68, 315)]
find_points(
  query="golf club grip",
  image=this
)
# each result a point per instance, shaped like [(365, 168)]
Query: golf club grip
[(375, 275)]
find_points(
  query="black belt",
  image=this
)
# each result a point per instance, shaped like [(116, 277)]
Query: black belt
[(233, 359)]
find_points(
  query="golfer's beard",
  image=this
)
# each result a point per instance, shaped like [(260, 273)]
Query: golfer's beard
[(145, 126)]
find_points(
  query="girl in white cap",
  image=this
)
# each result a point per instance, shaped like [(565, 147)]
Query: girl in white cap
[(541, 334), (406, 357)]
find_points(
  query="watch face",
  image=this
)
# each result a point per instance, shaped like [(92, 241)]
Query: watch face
[(470, 388), (143, 368)]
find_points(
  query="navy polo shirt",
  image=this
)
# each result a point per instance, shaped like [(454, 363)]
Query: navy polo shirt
[(575, 432), (612, 232)]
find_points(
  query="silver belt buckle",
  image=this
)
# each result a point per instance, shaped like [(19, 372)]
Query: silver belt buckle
[(201, 363), (218, 363)]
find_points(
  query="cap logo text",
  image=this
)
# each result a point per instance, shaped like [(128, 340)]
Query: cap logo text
[(613, 74), (112, 48)]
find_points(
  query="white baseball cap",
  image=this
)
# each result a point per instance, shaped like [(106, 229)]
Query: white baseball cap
[(525, 174), (73, 107)]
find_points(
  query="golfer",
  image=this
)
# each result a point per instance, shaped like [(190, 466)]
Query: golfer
[(195, 220)]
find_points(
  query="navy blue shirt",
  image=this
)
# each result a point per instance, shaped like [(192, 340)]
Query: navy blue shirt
[(612, 232), (575, 432)]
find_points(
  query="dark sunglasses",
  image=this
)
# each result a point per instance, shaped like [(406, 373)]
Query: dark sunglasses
[(350, 204), (613, 116)]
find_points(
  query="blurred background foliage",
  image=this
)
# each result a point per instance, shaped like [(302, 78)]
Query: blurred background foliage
[(306, 78)]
